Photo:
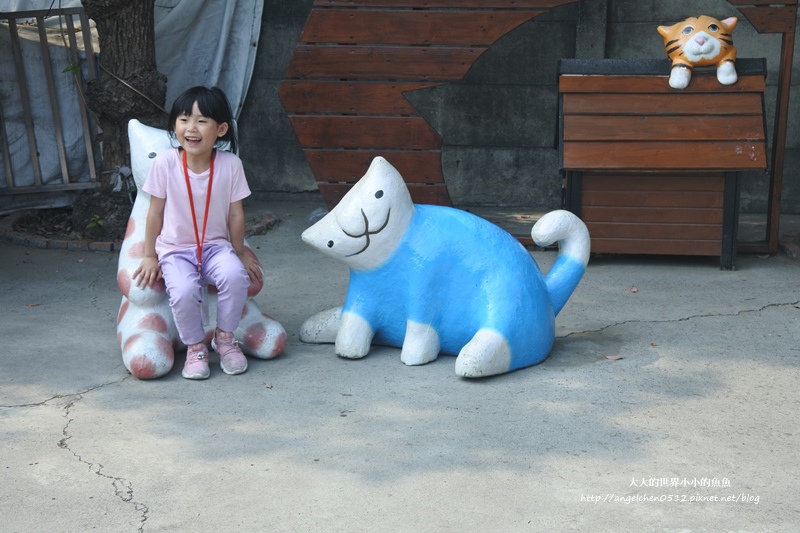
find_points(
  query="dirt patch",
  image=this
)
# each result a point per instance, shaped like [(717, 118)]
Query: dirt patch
[(95, 216), (103, 217)]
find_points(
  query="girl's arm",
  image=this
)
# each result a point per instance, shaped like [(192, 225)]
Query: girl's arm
[(236, 230), (149, 272)]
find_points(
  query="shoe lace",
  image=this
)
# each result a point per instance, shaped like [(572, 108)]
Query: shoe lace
[(228, 346), (195, 355)]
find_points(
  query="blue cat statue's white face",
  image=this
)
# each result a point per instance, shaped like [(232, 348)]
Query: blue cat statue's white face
[(367, 225)]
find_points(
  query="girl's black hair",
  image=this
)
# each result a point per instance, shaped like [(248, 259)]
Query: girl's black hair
[(212, 103)]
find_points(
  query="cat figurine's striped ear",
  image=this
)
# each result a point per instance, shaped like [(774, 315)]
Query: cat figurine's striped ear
[(700, 42)]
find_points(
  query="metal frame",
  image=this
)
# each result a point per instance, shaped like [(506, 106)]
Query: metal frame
[(22, 83)]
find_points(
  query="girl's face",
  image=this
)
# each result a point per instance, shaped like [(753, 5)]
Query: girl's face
[(198, 134)]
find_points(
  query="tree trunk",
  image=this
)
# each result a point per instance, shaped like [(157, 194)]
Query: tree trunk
[(127, 49)]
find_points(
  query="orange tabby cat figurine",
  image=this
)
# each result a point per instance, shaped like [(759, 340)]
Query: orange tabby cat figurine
[(700, 42)]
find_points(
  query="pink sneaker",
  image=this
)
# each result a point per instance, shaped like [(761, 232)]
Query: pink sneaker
[(196, 366), (231, 359)]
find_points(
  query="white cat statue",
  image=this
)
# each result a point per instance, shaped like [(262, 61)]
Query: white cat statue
[(145, 327), (431, 279)]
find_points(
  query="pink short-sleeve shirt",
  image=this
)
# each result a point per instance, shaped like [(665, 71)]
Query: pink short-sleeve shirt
[(166, 180)]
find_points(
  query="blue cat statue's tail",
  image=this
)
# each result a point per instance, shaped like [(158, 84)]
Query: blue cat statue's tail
[(573, 253)]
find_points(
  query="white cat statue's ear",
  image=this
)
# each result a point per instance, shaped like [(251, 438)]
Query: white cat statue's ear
[(146, 142), (368, 224)]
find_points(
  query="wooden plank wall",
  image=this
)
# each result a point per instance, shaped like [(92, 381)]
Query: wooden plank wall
[(344, 86)]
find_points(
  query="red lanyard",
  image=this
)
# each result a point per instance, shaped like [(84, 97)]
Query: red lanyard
[(191, 205)]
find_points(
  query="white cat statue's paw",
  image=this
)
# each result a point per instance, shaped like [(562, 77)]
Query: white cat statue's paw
[(421, 344), (322, 327), (259, 334), (354, 337), (679, 78), (486, 354), (726, 73)]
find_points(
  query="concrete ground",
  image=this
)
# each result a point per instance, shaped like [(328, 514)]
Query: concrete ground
[(669, 407)]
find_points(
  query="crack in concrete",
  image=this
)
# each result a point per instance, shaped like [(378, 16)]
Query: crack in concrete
[(63, 396), (123, 488), (684, 319), (100, 279)]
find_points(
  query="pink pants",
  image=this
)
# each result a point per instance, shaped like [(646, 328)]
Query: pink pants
[(221, 268)]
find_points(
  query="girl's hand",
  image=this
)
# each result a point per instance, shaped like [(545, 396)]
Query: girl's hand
[(149, 273), (252, 265)]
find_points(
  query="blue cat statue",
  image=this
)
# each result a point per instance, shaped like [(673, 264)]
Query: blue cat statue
[(431, 279)]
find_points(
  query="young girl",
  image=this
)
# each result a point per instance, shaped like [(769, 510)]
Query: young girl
[(192, 244)]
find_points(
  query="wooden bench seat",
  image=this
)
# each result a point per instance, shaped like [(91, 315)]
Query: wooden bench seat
[(654, 170)]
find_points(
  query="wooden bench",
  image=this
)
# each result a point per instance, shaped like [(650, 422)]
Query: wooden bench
[(654, 170)]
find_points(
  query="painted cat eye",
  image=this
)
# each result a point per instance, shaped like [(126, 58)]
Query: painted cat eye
[(379, 194), (713, 27), (687, 30)]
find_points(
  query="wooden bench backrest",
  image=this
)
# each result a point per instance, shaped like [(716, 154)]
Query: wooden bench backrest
[(627, 120)]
